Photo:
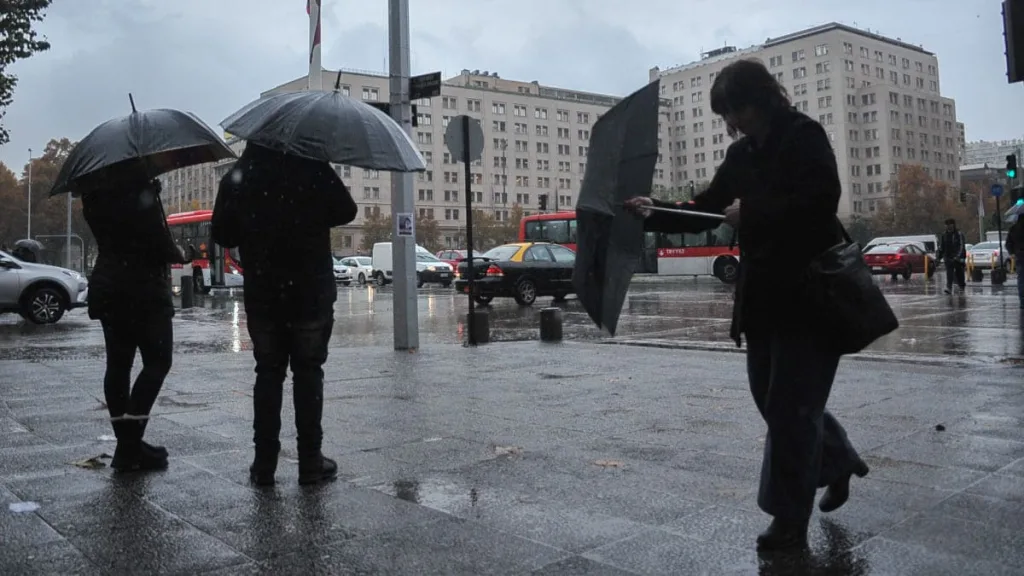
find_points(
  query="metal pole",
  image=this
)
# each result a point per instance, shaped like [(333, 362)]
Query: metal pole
[(504, 175), (406, 313), (29, 233), (67, 242), (469, 232)]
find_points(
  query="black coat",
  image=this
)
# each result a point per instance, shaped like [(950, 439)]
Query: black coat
[(789, 191), (131, 275), (1015, 241), (278, 210), (952, 246)]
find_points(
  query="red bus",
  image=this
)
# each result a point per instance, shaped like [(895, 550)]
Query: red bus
[(192, 229), (711, 253)]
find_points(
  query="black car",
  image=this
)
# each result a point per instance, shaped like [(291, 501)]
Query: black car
[(522, 271)]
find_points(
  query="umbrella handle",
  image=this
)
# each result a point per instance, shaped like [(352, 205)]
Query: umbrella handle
[(685, 212)]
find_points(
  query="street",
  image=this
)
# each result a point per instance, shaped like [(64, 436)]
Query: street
[(633, 455)]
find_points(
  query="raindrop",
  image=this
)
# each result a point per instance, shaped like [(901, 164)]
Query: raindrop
[(236, 176)]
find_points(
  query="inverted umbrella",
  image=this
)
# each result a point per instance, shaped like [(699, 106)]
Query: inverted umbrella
[(327, 126), (140, 146), (620, 165)]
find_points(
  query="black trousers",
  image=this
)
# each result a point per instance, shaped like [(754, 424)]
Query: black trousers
[(791, 375), (955, 269), (276, 344), (153, 337)]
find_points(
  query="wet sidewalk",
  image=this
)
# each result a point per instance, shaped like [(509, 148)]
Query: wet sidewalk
[(514, 458)]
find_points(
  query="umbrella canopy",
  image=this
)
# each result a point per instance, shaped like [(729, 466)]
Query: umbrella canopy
[(327, 126), (620, 165), (140, 146)]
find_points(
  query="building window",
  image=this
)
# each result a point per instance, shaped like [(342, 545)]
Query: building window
[(498, 108), (371, 94), (821, 50)]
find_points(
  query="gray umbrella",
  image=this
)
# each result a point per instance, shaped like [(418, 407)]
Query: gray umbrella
[(327, 126), (142, 145)]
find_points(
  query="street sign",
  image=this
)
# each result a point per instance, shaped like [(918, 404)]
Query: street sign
[(997, 190), (453, 138), (425, 86)]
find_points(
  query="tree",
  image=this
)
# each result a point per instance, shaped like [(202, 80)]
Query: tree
[(919, 204), (508, 230), (376, 228), (428, 234), (12, 218), (17, 41)]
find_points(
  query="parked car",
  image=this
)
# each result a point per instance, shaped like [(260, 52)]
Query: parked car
[(900, 259), (342, 273), (39, 292), (984, 254), (522, 271), (361, 267), (452, 257), (429, 270)]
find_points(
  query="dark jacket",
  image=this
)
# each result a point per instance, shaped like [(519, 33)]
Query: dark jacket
[(278, 210), (1015, 241), (789, 192), (131, 275), (952, 246)]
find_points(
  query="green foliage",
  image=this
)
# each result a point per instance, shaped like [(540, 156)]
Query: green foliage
[(17, 41)]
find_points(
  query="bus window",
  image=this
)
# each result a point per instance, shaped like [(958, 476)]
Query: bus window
[(557, 231), (723, 235), (572, 231)]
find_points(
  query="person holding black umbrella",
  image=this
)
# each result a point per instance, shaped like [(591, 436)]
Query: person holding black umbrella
[(278, 209), (130, 294), (779, 187)]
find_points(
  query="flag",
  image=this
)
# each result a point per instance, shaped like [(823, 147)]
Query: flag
[(316, 34), (981, 205)]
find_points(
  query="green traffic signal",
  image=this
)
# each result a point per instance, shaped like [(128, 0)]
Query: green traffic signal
[(1011, 173)]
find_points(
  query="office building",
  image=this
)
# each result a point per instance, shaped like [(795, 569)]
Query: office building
[(992, 153), (879, 99)]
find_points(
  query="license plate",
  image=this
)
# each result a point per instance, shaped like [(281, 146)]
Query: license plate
[(444, 274), (876, 269)]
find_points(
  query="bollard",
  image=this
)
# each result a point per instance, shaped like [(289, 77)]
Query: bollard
[(551, 325), (187, 294), (481, 327), (926, 259)]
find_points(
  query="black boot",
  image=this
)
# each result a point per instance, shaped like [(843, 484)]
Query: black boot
[(316, 469), (261, 472), (838, 492), (157, 450), (130, 454), (783, 535)]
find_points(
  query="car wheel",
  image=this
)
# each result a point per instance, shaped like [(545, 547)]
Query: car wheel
[(379, 277), (560, 297), (908, 272), (526, 292), (931, 270), (349, 283), (44, 306), (446, 284), (484, 300), (894, 277), (727, 269), (419, 281), (362, 279)]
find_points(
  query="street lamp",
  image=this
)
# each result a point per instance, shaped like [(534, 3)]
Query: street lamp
[(29, 233)]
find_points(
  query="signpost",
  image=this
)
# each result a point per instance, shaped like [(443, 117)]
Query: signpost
[(425, 86), (464, 139), (998, 274)]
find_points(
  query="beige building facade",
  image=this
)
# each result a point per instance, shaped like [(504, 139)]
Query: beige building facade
[(879, 99)]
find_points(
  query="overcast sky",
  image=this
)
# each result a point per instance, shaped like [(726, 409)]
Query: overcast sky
[(212, 56)]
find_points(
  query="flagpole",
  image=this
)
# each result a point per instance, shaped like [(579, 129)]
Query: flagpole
[(315, 79)]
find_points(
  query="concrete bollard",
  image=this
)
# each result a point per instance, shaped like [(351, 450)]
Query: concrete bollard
[(187, 292), (481, 322), (551, 325)]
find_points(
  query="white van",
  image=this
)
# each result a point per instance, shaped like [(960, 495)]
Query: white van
[(429, 269), (928, 241)]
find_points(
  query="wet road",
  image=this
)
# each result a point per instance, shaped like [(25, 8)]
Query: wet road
[(983, 325)]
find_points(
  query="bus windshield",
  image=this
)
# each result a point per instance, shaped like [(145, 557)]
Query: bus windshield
[(556, 231)]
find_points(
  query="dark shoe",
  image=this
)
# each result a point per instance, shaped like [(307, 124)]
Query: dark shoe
[(132, 457), (317, 469), (261, 473), (783, 535), (839, 492), (947, 291), (158, 450)]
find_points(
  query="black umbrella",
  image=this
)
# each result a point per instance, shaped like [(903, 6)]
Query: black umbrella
[(327, 126), (140, 146), (620, 165)]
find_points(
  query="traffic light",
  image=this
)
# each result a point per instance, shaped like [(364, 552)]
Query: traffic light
[(1011, 166), (543, 198), (1013, 34), (1017, 195)]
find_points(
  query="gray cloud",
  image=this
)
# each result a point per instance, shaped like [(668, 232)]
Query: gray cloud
[(211, 57)]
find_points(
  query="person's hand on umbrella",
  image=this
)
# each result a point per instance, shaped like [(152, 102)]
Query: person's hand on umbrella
[(639, 205), (732, 215)]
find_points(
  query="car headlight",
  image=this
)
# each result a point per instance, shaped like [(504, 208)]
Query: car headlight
[(431, 268), (72, 274)]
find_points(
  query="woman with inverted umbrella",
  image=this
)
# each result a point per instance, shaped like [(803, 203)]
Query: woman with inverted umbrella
[(114, 170), (779, 187)]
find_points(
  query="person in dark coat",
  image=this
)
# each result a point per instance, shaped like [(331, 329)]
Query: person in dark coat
[(279, 209), (952, 251), (1015, 246), (779, 187), (130, 294)]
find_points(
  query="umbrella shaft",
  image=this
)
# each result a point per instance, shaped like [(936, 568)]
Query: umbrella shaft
[(686, 212)]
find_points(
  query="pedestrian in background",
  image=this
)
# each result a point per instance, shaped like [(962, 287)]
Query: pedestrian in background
[(130, 294), (953, 253), (1015, 246), (279, 209), (779, 187)]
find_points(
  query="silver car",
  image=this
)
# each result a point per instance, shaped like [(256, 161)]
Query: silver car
[(987, 253), (39, 292)]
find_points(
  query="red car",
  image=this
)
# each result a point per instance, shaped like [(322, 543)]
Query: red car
[(900, 260), (451, 257)]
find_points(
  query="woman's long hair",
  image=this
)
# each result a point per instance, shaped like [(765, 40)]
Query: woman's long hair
[(747, 83)]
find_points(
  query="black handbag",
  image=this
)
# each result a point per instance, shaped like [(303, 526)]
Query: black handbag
[(844, 299)]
